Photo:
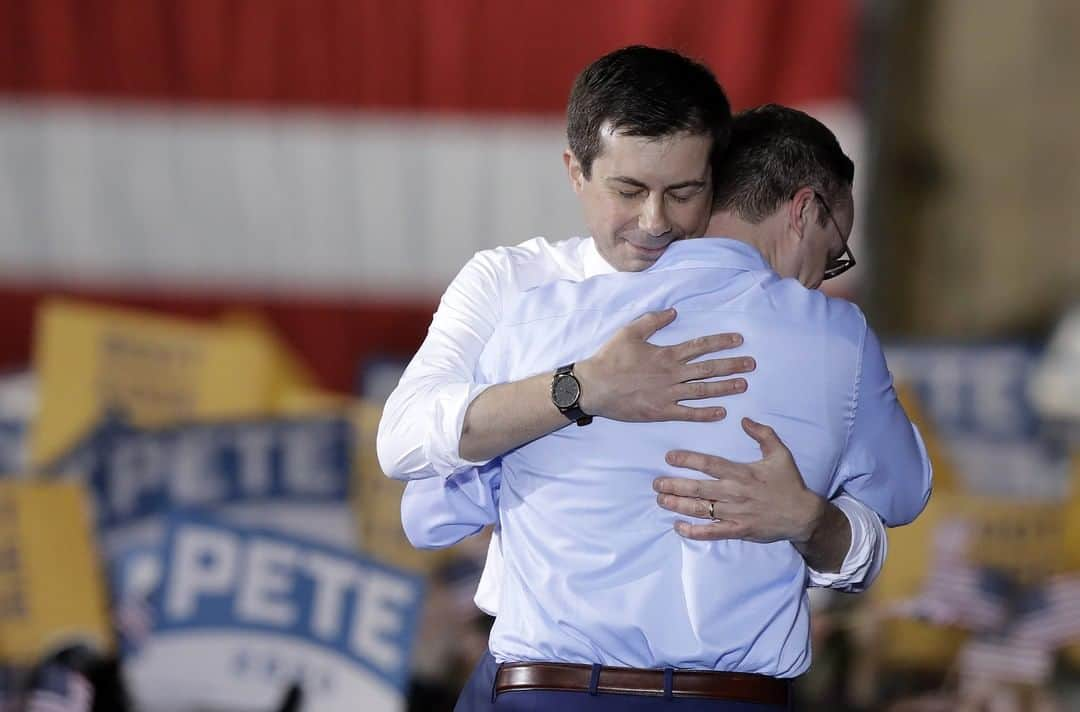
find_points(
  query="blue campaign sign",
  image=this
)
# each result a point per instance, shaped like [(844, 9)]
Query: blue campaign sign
[(134, 474), (976, 398), (299, 594), (12, 447), (970, 390)]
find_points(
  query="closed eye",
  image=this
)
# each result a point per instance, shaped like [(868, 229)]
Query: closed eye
[(685, 196)]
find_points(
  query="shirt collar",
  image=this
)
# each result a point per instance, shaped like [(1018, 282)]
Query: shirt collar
[(714, 252), (593, 262), (699, 251)]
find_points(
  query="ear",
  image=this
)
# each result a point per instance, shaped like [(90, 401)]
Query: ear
[(573, 169), (801, 211)]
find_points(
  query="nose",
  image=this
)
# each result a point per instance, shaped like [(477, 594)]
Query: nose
[(653, 219)]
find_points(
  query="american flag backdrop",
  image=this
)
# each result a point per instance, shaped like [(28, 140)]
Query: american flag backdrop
[(333, 162)]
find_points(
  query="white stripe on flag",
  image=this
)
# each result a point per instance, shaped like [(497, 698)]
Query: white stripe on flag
[(954, 592), (1007, 660), (350, 202), (1057, 622)]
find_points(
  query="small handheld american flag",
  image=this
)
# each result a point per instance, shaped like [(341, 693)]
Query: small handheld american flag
[(57, 688)]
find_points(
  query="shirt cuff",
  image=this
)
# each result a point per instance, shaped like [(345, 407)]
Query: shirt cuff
[(866, 554), (443, 441)]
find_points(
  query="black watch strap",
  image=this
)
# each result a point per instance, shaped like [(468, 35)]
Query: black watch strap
[(573, 410), (577, 415)]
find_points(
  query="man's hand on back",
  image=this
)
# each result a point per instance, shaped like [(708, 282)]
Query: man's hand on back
[(762, 501), (628, 379), (631, 380)]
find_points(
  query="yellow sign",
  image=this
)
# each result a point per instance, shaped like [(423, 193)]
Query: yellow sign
[(378, 501), (1072, 539), (154, 370), (291, 374), (1071, 516), (51, 589), (909, 642)]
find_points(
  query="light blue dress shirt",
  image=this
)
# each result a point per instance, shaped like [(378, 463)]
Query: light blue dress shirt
[(593, 571)]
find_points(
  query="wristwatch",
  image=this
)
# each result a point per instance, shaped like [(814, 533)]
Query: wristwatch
[(566, 393)]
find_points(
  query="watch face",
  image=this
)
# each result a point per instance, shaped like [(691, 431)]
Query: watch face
[(565, 391)]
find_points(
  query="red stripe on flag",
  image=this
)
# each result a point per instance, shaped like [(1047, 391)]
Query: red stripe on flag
[(429, 55)]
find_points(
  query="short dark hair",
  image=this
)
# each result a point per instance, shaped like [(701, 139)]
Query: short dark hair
[(775, 151), (644, 91)]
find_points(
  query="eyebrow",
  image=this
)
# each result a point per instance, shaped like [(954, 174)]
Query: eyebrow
[(676, 186)]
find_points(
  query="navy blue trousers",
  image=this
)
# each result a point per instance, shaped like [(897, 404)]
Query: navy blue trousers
[(478, 696)]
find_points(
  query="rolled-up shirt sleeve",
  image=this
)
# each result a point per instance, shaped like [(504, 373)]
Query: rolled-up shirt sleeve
[(420, 430), (865, 557), (885, 464)]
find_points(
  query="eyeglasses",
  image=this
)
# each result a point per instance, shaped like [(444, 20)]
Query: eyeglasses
[(836, 266)]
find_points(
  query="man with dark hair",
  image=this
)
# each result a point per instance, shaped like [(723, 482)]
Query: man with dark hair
[(775, 150), (649, 185), (625, 107), (781, 164), (640, 193), (642, 91)]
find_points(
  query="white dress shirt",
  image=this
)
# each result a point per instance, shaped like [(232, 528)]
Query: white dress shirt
[(421, 423), (593, 571)]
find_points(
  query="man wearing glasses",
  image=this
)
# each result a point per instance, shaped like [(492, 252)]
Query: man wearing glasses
[(836, 266), (597, 595), (775, 151)]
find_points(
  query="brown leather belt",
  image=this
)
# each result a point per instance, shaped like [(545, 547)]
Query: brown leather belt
[(741, 687)]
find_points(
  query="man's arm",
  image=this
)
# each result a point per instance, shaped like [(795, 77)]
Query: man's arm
[(421, 420), (629, 379), (885, 464), (437, 512), (439, 421)]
